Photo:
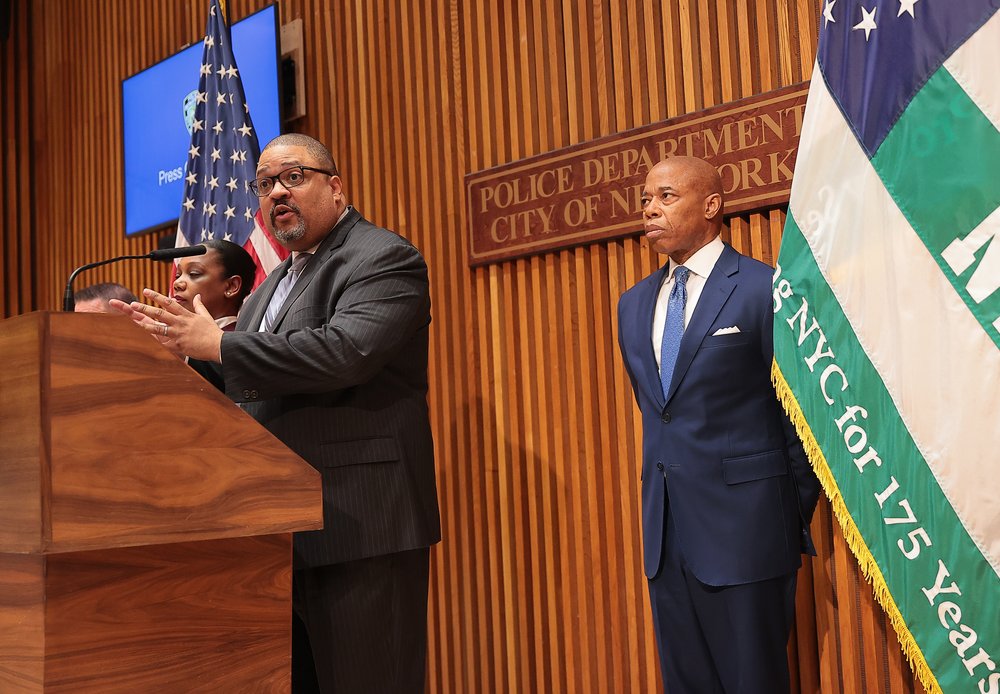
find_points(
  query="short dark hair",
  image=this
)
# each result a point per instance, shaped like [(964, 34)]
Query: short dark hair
[(315, 148), (105, 291), (235, 261)]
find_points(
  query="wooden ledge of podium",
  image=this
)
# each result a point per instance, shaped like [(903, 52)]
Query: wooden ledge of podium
[(145, 521)]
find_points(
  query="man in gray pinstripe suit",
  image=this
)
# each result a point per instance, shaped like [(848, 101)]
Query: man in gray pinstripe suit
[(337, 369)]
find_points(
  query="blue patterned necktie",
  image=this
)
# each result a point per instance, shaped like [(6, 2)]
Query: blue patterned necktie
[(282, 290), (673, 329)]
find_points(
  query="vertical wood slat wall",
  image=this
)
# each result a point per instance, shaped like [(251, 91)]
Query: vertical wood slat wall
[(538, 585), (16, 213)]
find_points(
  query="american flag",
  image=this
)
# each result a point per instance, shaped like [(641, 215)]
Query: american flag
[(223, 158)]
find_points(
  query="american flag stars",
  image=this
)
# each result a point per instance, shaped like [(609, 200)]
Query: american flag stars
[(223, 157), (222, 153)]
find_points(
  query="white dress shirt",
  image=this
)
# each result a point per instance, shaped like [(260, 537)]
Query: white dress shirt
[(700, 265)]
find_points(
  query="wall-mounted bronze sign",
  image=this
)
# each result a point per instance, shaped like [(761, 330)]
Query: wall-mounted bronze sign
[(590, 192)]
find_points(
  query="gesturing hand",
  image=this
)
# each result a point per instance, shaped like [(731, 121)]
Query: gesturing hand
[(193, 333)]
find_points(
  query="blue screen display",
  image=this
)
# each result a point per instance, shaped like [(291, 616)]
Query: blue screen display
[(155, 132)]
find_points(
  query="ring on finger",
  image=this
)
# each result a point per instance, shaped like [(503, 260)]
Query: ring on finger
[(165, 329)]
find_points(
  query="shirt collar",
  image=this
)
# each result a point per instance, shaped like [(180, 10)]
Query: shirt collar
[(704, 259)]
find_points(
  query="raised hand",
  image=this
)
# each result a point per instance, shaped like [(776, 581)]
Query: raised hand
[(192, 333)]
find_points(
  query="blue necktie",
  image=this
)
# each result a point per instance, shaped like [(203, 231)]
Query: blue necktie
[(673, 329), (282, 290)]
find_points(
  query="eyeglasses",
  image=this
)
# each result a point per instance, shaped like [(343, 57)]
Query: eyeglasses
[(290, 177)]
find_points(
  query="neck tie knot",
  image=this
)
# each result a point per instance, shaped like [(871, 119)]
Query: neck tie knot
[(283, 289), (681, 275), (299, 263)]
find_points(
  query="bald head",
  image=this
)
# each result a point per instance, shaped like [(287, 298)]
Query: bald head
[(316, 149), (95, 298), (301, 212), (682, 206), (700, 176)]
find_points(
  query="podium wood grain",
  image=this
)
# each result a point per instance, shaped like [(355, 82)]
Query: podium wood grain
[(22, 622), (145, 520), (210, 616), (109, 440), (20, 441)]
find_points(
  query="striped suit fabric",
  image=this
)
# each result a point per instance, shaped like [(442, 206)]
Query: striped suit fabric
[(341, 378)]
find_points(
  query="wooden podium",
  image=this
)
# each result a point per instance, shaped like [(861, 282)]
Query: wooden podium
[(145, 520)]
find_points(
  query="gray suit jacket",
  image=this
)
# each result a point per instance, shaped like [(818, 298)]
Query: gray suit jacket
[(341, 379)]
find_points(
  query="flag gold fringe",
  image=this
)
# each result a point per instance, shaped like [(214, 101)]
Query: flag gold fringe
[(855, 541)]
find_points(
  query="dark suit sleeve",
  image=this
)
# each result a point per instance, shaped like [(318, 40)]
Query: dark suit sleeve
[(210, 371), (621, 349), (805, 479), (341, 344)]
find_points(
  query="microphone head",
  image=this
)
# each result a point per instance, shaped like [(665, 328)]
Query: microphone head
[(173, 253)]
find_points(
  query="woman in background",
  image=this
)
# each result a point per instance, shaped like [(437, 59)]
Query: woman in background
[(223, 276)]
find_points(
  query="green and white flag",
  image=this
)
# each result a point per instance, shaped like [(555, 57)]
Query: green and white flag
[(887, 315)]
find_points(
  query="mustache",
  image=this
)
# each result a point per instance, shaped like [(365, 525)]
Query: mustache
[(293, 207)]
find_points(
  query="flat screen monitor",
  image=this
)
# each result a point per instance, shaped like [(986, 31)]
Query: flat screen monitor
[(155, 132)]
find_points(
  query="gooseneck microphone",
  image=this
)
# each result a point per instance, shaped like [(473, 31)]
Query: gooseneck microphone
[(172, 253), (162, 254)]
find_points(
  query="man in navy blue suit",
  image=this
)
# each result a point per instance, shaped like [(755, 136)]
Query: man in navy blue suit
[(727, 493)]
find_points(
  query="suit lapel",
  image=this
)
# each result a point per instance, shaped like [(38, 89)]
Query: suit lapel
[(718, 287), (334, 240), (649, 374)]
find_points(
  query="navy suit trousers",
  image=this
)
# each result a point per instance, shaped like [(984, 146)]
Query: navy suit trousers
[(729, 639)]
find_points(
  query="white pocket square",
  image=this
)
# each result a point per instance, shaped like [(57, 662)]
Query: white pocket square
[(731, 330)]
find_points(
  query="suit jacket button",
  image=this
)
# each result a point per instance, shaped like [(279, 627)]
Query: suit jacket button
[(659, 466), (665, 418), (246, 394), (253, 394)]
